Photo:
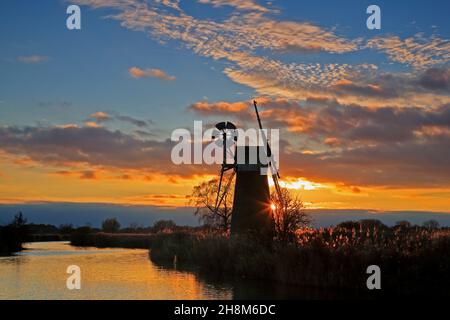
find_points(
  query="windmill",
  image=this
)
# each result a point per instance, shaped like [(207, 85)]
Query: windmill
[(251, 203)]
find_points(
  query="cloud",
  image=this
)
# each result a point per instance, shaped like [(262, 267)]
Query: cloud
[(360, 125), (239, 33), (95, 147), (350, 145), (85, 174), (173, 4), (136, 72), (374, 89), (133, 121), (417, 51), (101, 116), (346, 83), (249, 5), (436, 79), (356, 145), (33, 59), (88, 174), (218, 108), (327, 118), (91, 124), (410, 164), (251, 43)]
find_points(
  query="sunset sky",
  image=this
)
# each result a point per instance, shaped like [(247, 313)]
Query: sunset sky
[(86, 115)]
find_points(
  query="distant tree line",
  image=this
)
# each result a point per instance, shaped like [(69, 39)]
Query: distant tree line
[(289, 220), (18, 231)]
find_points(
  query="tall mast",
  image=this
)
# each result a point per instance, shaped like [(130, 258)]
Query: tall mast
[(272, 164)]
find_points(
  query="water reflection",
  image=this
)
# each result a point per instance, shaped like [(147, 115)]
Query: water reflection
[(40, 273), (246, 289)]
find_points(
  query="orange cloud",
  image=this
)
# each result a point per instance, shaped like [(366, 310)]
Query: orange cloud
[(85, 174), (220, 107), (91, 124), (417, 51), (136, 72), (357, 145), (249, 5), (100, 116)]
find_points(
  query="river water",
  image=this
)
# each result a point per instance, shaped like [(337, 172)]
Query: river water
[(39, 272)]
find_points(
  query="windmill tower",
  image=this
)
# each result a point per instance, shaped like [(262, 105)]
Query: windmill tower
[(252, 211)]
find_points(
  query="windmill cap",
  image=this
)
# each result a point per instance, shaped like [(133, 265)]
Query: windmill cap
[(226, 125)]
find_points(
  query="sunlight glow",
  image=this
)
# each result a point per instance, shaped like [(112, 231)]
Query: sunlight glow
[(298, 184)]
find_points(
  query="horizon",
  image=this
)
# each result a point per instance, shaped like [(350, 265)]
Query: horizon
[(93, 214)]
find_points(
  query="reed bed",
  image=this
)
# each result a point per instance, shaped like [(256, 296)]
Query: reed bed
[(412, 260)]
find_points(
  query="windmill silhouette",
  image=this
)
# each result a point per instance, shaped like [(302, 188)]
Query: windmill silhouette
[(252, 212)]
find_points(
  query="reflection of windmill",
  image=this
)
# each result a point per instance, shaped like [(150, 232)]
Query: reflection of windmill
[(251, 203)]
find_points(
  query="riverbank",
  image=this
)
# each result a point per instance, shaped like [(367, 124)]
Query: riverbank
[(413, 260), (112, 240), (11, 239)]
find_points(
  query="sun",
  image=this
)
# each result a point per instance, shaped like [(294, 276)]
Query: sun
[(273, 206)]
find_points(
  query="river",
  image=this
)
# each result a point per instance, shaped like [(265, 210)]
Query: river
[(39, 272)]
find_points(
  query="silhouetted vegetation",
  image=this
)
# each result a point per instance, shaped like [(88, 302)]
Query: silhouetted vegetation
[(288, 215), (13, 235), (82, 236), (66, 229), (203, 198), (431, 224), (138, 237), (111, 240), (413, 259), (111, 225), (164, 225)]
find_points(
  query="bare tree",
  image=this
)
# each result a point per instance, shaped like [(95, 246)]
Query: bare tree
[(289, 215), (204, 197)]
